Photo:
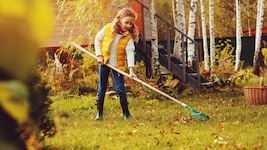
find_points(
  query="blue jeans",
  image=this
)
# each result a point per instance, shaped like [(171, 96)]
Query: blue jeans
[(103, 81)]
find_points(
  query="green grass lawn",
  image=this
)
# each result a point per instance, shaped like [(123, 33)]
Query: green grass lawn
[(159, 124)]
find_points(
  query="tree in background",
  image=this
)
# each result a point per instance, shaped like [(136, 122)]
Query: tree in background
[(238, 36), (204, 37), (179, 23), (175, 12), (260, 19), (191, 32), (212, 36), (248, 10), (225, 24), (154, 40), (88, 16)]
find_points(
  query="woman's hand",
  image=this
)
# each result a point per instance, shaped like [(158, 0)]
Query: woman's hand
[(100, 59), (131, 72)]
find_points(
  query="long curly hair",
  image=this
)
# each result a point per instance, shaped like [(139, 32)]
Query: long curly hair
[(123, 13)]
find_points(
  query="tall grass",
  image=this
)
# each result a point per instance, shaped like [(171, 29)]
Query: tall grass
[(159, 124)]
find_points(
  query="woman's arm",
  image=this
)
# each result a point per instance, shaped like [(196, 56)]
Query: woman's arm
[(130, 57), (97, 43)]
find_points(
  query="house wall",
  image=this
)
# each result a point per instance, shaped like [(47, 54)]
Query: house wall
[(138, 9), (145, 14), (58, 36)]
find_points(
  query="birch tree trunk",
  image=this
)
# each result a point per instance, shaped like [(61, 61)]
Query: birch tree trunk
[(204, 36), (238, 36), (249, 16), (212, 38), (191, 32), (179, 22), (182, 27), (175, 21), (154, 40), (259, 23)]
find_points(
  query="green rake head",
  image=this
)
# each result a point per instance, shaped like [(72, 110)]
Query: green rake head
[(198, 115)]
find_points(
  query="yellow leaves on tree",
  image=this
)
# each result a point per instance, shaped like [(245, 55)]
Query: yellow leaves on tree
[(13, 99), (24, 26), (38, 14)]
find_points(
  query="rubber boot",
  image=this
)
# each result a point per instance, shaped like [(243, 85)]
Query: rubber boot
[(125, 110), (99, 106)]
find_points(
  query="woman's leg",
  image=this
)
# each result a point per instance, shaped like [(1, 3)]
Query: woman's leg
[(102, 87), (120, 88)]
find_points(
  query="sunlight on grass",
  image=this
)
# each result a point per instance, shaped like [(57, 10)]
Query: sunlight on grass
[(160, 124)]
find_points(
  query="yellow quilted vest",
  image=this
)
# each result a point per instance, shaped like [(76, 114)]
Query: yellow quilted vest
[(121, 52)]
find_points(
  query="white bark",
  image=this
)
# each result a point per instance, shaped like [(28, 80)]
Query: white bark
[(176, 46), (154, 40), (238, 36), (181, 26), (175, 12), (259, 24), (191, 32), (204, 36), (179, 22), (212, 38)]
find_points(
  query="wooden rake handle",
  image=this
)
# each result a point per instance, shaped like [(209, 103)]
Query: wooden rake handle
[(128, 75)]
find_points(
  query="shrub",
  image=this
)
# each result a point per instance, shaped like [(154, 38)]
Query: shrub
[(224, 67), (165, 83), (79, 76), (243, 78), (40, 104)]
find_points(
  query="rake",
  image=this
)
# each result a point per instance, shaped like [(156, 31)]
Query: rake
[(195, 114)]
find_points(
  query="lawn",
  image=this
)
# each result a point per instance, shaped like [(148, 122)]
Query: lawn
[(159, 124)]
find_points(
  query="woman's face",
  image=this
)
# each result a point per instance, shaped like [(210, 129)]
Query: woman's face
[(126, 23)]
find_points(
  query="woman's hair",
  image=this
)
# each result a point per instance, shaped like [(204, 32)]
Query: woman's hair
[(125, 12)]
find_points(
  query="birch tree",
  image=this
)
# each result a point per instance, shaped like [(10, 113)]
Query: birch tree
[(181, 16), (238, 36), (212, 39), (191, 32), (154, 40), (177, 41), (248, 18), (259, 23), (179, 22), (204, 37)]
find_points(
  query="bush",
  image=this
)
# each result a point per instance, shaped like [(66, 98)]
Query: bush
[(166, 83), (25, 116), (40, 104), (78, 76)]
